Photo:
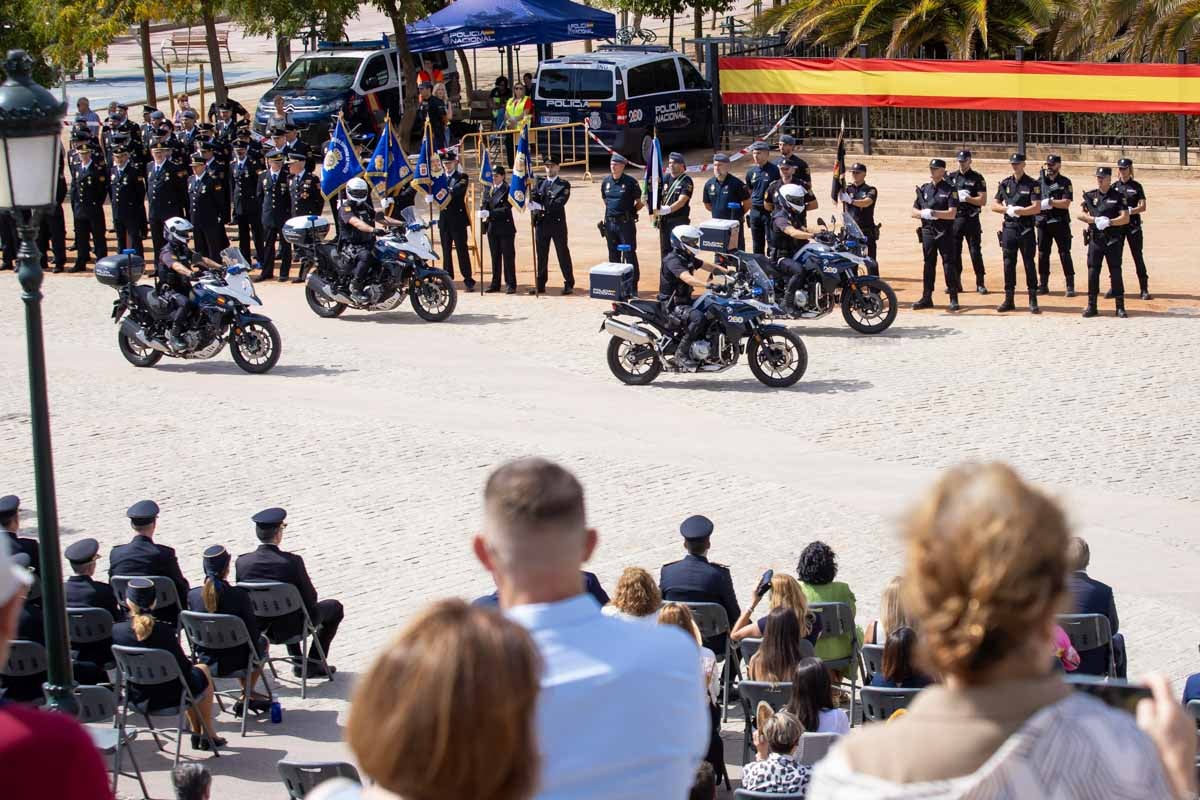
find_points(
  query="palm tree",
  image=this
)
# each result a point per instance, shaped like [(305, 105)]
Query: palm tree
[(1180, 27), (1128, 30)]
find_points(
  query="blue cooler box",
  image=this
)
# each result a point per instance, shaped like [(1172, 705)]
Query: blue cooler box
[(611, 281), (719, 235)]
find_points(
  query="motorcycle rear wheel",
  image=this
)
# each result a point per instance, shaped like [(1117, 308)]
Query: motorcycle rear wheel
[(632, 364), (870, 308), (779, 359), (323, 306), (268, 344), (433, 298), (136, 354)]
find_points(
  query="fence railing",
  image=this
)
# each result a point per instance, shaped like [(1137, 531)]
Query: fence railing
[(568, 141)]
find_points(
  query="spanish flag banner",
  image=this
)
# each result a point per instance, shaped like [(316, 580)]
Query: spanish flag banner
[(975, 85)]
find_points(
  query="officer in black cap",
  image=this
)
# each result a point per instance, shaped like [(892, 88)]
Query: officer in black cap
[(166, 192), (675, 207), (726, 197), (858, 203), (275, 200), (10, 513), (971, 188), (82, 590), (551, 194), (1106, 212), (89, 190), (1054, 224), (1019, 199), (622, 198), (497, 216), (269, 563), (206, 196), (145, 557), (454, 221), (694, 579), (127, 195), (787, 146), (1135, 199), (936, 206), (247, 212), (759, 177)]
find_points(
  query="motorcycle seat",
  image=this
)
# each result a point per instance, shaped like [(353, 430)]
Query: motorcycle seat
[(149, 299), (648, 306)]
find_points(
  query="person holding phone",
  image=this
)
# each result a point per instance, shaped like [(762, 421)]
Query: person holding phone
[(785, 592)]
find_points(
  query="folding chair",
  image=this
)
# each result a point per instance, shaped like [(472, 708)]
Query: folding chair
[(218, 632), (879, 704), (872, 661), (301, 777), (164, 589), (1193, 708), (88, 626), (814, 746), (26, 659), (749, 647), (712, 621), (776, 695), (746, 794), (99, 704), (838, 620), (1090, 632), (273, 600), (148, 666)]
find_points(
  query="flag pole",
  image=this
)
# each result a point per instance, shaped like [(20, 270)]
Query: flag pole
[(532, 227), (478, 228)]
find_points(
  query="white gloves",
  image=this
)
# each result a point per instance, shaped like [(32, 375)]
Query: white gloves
[(845, 197), (964, 195), (387, 202), (484, 214), (1046, 204), (1102, 223), (428, 199), (926, 213), (1012, 211), (535, 206)]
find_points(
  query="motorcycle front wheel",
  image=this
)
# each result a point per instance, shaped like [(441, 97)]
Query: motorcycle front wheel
[(869, 307), (321, 305), (257, 348), (778, 359), (632, 364), (433, 298), (135, 353)]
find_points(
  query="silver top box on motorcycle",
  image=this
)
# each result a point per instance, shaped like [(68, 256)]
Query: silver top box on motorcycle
[(306, 230), (120, 270), (611, 281), (719, 235)]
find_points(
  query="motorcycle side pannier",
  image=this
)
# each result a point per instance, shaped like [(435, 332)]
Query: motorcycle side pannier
[(120, 270), (306, 230), (719, 235), (611, 281)]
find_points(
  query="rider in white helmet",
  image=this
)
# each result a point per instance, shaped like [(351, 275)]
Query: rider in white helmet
[(178, 265), (676, 280), (356, 232)]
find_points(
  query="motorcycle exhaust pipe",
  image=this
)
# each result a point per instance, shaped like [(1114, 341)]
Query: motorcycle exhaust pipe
[(321, 287), (630, 333), (134, 331)]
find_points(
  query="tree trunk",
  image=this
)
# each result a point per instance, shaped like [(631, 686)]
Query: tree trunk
[(671, 32), (283, 53), (697, 32), (147, 62), (214, 56), (637, 20), (408, 79), (587, 43), (468, 81)]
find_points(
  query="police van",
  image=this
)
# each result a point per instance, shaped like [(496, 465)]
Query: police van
[(624, 93), (358, 79)]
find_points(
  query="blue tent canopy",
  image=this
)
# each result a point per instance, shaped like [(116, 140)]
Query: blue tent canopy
[(468, 24)]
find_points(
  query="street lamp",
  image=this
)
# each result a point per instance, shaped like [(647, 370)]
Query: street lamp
[(30, 156)]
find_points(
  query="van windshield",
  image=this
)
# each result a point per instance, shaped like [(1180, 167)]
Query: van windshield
[(319, 73), (559, 83)]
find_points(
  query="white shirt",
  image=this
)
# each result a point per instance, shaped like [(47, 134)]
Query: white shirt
[(622, 714), (833, 720)]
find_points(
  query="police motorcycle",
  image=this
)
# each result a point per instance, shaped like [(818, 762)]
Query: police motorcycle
[(219, 312), (402, 268), (738, 318)]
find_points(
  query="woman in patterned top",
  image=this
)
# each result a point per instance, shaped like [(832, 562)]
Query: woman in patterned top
[(776, 771)]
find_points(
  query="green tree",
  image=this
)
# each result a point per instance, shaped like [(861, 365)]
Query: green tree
[(402, 12), (287, 20)]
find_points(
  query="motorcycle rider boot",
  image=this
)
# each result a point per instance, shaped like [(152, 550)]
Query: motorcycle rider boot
[(1090, 311), (683, 359), (1121, 308), (925, 302), (174, 340), (1007, 305)]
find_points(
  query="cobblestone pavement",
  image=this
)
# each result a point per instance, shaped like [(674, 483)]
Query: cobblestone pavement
[(376, 432)]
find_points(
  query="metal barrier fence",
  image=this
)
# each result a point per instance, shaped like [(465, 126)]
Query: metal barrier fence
[(568, 141)]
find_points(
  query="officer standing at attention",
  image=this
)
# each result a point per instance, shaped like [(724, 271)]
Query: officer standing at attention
[(453, 224), (858, 203), (1105, 209), (676, 202), (622, 199), (217, 165), (787, 146), (269, 563), (275, 199), (10, 521), (166, 192), (82, 590), (305, 189), (127, 194), (496, 215), (89, 188), (1135, 199), (247, 211), (759, 178), (971, 188), (725, 196), (143, 557), (937, 206), (694, 579), (205, 198), (1019, 199), (549, 198), (1054, 224)]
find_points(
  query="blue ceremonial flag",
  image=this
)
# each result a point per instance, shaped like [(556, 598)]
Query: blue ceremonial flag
[(439, 181), (518, 185), (485, 171), (388, 168), (341, 161), (421, 178)]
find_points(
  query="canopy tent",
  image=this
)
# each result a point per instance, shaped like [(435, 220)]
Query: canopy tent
[(468, 24)]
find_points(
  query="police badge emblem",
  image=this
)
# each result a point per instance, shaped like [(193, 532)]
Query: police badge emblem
[(333, 157)]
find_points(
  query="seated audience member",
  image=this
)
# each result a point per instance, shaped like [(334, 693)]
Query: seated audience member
[(36, 745), (704, 786), (779, 654), (217, 596), (899, 670), (269, 563), (191, 782), (1094, 597), (643, 681), (1064, 651), (143, 630), (776, 771), (680, 616), (637, 596), (812, 699), (144, 557), (82, 590), (817, 571), (447, 711), (591, 585), (986, 574), (10, 522), (695, 579), (891, 615), (786, 592)]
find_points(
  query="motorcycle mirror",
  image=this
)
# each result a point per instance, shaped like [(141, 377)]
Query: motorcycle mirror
[(821, 222)]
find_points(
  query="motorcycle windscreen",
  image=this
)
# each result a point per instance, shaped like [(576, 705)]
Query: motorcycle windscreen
[(237, 275), (759, 280), (852, 229)]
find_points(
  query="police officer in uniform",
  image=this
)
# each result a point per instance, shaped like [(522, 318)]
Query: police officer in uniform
[(936, 206), (1019, 199), (726, 197), (52, 231), (1054, 224), (82, 590), (1135, 199), (270, 563), (144, 557), (127, 194), (205, 197), (622, 199), (676, 202), (676, 279), (758, 179), (176, 266), (166, 192), (789, 223), (247, 211), (275, 200), (497, 217), (858, 203), (10, 522), (305, 189), (356, 234), (551, 194), (216, 164), (1106, 212), (971, 188), (787, 146), (694, 579), (453, 224), (89, 188)]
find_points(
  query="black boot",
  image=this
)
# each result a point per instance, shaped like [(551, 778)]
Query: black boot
[(924, 302), (1007, 305), (981, 289), (1044, 288), (953, 302), (1070, 288), (1090, 311), (1121, 308), (1033, 304), (1146, 292)]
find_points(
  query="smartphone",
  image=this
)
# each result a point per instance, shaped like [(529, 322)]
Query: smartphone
[(1116, 693), (764, 585)]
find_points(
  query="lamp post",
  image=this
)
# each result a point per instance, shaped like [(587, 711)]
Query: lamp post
[(30, 158)]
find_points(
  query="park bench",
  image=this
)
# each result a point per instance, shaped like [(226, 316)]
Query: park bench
[(192, 40)]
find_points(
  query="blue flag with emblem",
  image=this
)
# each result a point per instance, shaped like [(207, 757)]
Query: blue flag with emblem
[(388, 169), (485, 170), (439, 181), (654, 175), (518, 184), (421, 177), (341, 160)]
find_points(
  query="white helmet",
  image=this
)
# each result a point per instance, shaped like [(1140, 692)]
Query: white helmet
[(357, 190), (686, 237), (178, 230), (793, 195)]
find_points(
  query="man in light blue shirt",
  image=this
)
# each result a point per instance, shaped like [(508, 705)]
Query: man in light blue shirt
[(622, 713)]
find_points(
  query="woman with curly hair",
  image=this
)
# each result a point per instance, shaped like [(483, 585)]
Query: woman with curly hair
[(817, 571), (637, 596)]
